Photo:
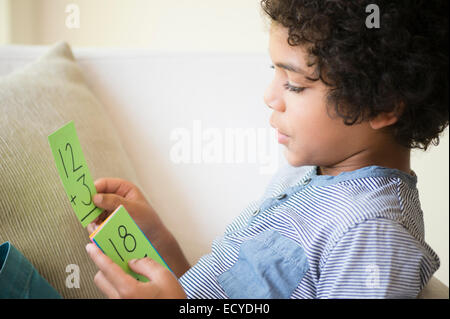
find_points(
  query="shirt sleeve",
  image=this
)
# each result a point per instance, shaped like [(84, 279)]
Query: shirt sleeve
[(377, 258)]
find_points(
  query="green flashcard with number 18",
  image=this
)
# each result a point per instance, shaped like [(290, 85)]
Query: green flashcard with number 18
[(74, 173), (122, 240)]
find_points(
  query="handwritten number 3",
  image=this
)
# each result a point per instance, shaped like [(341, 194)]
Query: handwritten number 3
[(90, 195)]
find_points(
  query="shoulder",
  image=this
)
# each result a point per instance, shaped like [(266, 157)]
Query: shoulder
[(376, 199), (377, 247), (328, 213)]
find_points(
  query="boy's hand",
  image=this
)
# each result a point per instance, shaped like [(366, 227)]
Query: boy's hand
[(115, 283), (113, 192)]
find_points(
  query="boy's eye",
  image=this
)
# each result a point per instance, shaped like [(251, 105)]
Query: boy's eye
[(289, 87), (295, 89)]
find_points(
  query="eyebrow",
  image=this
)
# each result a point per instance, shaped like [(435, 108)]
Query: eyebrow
[(291, 68)]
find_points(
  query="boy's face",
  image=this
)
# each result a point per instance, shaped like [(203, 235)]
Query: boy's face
[(314, 138)]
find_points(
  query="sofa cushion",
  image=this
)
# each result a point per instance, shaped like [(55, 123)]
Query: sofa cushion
[(35, 214), (435, 289)]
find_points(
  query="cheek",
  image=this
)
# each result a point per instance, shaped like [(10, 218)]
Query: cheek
[(314, 131), (309, 121)]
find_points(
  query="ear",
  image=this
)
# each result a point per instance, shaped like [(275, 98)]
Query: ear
[(385, 119)]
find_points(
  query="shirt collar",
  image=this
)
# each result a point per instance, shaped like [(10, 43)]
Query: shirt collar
[(367, 171)]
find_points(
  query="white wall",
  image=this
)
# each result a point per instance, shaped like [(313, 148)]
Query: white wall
[(200, 25), (162, 25), (4, 21), (432, 172)]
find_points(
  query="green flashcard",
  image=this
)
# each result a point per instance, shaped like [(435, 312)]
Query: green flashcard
[(122, 240), (74, 173)]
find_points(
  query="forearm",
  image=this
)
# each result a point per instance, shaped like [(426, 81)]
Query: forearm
[(171, 252)]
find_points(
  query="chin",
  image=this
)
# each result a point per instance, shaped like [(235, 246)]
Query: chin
[(294, 159), (297, 160)]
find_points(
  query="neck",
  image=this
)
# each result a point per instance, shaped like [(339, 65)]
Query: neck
[(390, 155)]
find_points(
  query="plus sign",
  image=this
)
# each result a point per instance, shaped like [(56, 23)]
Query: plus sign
[(72, 200)]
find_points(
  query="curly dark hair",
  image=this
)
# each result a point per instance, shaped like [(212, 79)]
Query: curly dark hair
[(401, 66)]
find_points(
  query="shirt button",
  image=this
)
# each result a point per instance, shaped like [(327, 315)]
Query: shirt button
[(281, 196), (256, 212)]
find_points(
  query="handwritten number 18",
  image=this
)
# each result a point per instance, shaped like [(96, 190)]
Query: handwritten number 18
[(129, 241)]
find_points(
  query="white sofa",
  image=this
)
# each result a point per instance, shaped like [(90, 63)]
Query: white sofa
[(150, 96)]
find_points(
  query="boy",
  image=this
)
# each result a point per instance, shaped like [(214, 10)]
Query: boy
[(349, 101)]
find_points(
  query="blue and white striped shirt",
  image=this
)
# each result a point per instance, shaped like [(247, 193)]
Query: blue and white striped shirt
[(359, 234)]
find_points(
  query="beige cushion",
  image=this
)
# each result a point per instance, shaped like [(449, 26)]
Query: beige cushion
[(35, 214), (435, 289)]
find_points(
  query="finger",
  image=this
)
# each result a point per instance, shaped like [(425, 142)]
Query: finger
[(113, 185), (109, 201), (149, 268), (97, 222), (100, 218), (112, 272), (91, 228), (105, 286)]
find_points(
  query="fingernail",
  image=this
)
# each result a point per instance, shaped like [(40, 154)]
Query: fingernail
[(132, 261), (98, 199), (88, 247)]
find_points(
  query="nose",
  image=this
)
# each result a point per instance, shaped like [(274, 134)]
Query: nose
[(273, 98)]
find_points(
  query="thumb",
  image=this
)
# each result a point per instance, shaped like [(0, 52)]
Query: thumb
[(108, 202), (148, 268)]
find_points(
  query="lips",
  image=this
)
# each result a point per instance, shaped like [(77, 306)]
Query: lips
[(278, 130), (282, 133), (283, 139)]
